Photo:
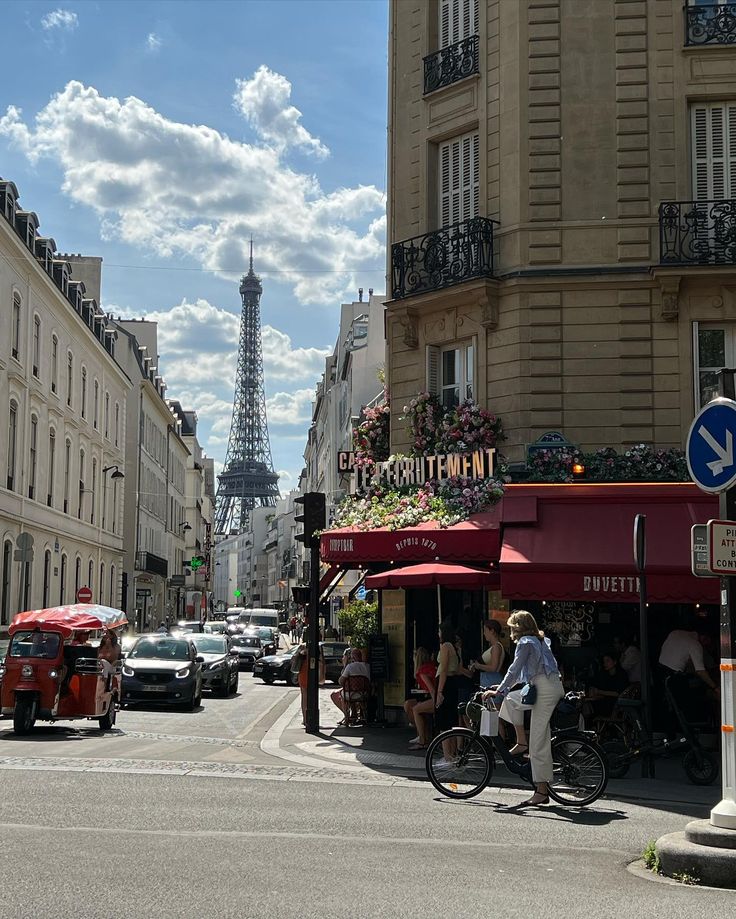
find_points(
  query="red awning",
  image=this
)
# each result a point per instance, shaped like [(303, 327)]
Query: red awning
[(581, 547), (434, 574), (476, 539)]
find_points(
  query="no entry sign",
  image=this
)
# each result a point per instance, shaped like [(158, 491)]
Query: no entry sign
[(84, 595)]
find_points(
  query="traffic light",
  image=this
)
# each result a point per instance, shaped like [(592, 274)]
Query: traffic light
[(313, 517)]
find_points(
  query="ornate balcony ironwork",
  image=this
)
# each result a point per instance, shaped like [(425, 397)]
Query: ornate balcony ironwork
[(453, 63), (443, 257), (714, 24), (697, 232)]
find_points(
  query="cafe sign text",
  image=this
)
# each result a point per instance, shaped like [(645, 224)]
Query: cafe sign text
[(416, 470)]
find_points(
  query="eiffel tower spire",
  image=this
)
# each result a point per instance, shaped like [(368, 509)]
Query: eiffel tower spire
[(247, 479)]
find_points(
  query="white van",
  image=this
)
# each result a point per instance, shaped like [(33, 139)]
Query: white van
[(255, 617)]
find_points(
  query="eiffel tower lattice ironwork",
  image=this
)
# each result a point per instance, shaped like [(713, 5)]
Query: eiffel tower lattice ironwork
[(247, 479)]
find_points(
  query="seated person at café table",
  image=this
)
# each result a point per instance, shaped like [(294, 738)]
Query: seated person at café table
[(607, 686), (356, 667), (417, 709)]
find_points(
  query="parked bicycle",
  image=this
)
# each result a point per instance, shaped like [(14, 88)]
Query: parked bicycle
[(579, 764), (701, 766)]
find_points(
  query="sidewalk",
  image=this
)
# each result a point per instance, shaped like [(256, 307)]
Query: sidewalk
[(373, 750)]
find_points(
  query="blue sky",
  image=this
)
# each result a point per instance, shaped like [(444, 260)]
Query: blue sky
[(159, 135)]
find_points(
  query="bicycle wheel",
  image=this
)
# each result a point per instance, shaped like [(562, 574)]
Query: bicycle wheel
[(704, 772), (580, 770), (618, 764), (466, 773)]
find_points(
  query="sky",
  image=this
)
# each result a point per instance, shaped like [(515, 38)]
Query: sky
[(161, 135)]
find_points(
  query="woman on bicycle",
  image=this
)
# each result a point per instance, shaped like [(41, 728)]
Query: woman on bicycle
[(533, 663)]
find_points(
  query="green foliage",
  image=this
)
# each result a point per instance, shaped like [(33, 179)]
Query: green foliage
[(651, 859), (690, 880), (358, 621)]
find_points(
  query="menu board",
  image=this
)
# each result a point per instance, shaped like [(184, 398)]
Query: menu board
[(378, 656), (393, 615)]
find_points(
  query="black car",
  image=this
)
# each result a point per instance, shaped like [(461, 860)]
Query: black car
[(161, 668), (276, 667), (332, 652), (246, 649), (220, 669)]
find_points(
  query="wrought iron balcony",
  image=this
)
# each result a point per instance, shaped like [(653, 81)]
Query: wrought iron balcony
[(453, 63), (712, 24), (697, 232), (153, 564), (443, 258)]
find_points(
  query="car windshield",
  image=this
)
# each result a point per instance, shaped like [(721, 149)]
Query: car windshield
[(255, 619), (210, 644), (35, 644), (172, 649), (247, 642), (265, 633)]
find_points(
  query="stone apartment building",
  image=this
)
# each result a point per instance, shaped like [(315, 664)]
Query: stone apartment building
[(561, 225)]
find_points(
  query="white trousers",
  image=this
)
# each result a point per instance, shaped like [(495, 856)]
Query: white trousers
[(549, 693)]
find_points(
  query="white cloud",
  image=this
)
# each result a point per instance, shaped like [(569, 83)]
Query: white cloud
[(188, 190), (265, 101), (290, 408), (282, 361), (65, 20), (153, 42), (284, 478)]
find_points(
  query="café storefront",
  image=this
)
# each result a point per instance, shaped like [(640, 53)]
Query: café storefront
[(562, 551)]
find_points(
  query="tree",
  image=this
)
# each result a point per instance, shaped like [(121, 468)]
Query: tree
[(358, 621)]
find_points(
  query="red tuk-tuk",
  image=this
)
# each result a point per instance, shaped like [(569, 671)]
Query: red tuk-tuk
[(52, 672)]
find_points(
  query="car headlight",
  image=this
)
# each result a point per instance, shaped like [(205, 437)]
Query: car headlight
[(128, 671), (26, 670), (182, 674), (2, 671)]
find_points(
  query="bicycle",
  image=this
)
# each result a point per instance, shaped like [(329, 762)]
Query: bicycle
[(701, 766), (580, 767)]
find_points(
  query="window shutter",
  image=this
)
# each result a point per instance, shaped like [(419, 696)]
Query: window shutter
[(714, 151), (445, 207), (731, 158), (458, 20), (433, 369), (445, 23), (459, 179)]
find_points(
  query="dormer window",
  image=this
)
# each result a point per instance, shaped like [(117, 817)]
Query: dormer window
[(8, 201)]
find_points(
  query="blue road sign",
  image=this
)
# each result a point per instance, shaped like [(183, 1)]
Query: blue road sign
[(360, 593), (711, 459)]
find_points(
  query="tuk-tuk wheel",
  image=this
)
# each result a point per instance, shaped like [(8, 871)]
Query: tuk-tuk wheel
[(107, 722), (24, 714)]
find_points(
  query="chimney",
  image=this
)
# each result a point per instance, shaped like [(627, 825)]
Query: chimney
[(360, 295), (370, 292)]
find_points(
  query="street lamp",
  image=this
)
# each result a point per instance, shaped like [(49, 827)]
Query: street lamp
[(185, 526), (117, 474)]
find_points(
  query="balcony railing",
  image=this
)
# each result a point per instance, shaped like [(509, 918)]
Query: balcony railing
[(697, 232), (453, 63), (443, 258), (714, 24), (153, 564)]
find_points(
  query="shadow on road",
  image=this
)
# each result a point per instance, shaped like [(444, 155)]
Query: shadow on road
[(595, 816)]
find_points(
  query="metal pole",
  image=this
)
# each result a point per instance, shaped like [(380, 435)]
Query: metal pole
[(647, 763), (312, 726)]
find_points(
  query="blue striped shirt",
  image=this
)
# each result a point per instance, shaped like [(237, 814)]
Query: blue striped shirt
[(533, 657)]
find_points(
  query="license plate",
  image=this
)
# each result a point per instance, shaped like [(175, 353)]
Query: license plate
[(155, 688)]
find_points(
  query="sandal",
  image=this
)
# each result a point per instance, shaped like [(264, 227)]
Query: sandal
[(518, 749), (535, 801), (418, 746)]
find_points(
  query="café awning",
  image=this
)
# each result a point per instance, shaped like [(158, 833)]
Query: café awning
[(477, 539), (434, 574), (581, 545)]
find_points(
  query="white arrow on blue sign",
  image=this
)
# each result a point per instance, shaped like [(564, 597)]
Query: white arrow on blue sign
[(360, 592), (711, 459)]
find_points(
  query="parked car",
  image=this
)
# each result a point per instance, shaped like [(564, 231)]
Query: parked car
[(220, 669), (189, 625), (277, 667), (269, 639), (246, 649), (126, 644), (332, 652), (215, 627), (161, 668)]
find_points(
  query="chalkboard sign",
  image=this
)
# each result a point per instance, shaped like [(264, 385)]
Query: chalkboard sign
[(378, 650)]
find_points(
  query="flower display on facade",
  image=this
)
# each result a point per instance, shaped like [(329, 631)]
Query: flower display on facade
[(371, 436), (639, 463), (435, 429)]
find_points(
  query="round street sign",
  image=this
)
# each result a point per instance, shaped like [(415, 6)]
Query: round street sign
[(710, 455), (24, 540), (84, 595)]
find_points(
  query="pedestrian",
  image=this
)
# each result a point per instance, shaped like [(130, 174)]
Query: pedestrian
[(448, 667), (534, 664), (417, 711), (304, 675), (491, 663), (683, 649)]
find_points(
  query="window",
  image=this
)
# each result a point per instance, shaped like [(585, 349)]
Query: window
[(82, 471), (458, 20), (46, 579), (117, 424), (451, 373), (12, 443), (715, 348), (54, 363), (114, 502), (52, 469), (459, 179), (33, 457), (94, 492), (15, 332), (77, 577), (91, 575), (6, 583), (107, 415), (36, 345), (102, 579), (27, 569), (69, 377), (113, 598), (84, 392), (62, 581), (714, 151), (67, 473), (96, 415)]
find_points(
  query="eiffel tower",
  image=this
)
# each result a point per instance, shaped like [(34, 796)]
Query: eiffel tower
[(248, 479)]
